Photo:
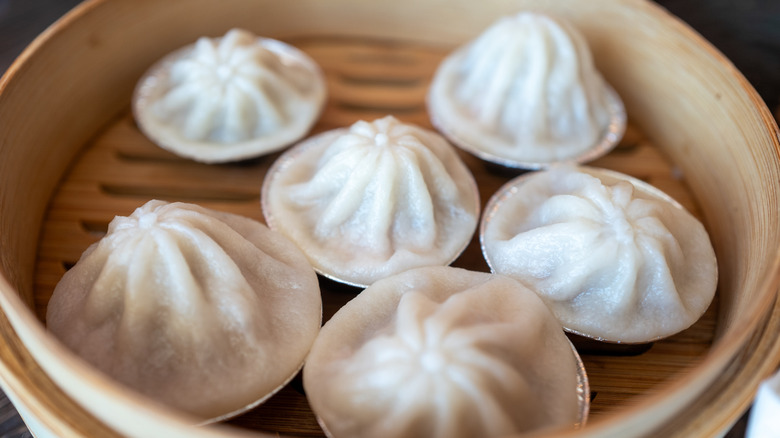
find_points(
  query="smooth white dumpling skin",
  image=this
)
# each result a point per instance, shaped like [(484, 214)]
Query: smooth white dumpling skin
[(229, 98), (442, 352), (373, 200), (525, 90), (208, 312), (614, 260)]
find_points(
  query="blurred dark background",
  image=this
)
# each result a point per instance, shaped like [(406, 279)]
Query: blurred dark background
[(746, 31), (22, 20)]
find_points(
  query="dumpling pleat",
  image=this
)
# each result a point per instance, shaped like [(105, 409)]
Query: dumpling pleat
[(494, 371), (619, 290), (99, 307), (658, 281), (478, 68), (572, 115), (541, 251), (238, 116), (203, 253), (277, 84), (496, 91), (226, 46), (328, 180), (490, 415), (269, 114), (563, 208), (212, 237), (418, 223), (531, 119), (344, 146), (382, 205), (440, 324), (412, 309), (385, 351), (350, 197), (432, 168), (240, 58), (200, 120), (178, 98), (402, 415), (206, 49)]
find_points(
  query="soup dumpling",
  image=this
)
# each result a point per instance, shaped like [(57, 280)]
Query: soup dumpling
[(372, 200), (229, 98), (525, 93), (614, 258), (444, 352), (205, 311)]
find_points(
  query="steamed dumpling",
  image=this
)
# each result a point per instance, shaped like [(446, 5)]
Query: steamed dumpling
[(372, 200), (443, 352), (229, 98), (526, 93), (208, 312), (614, 258)]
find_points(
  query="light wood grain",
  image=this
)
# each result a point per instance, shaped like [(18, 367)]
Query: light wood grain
[(697, 131)]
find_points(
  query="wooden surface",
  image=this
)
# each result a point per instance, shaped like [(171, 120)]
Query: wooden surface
[(120, 169)]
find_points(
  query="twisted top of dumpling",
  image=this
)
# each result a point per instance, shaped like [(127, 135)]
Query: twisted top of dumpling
[(525, 93), (373, 199), (613, 259), (206, 311), (442, 352), (229, 98)]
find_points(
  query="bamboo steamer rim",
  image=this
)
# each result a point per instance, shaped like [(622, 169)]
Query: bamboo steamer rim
[(21, 374)]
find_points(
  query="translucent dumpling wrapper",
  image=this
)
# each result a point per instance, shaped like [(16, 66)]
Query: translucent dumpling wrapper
[(614, 258), (444, 352), (205, 311), (372, 200), (525, 93), (229, 98)]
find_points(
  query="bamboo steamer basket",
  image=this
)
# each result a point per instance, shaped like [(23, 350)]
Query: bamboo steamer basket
[(71, 158)]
